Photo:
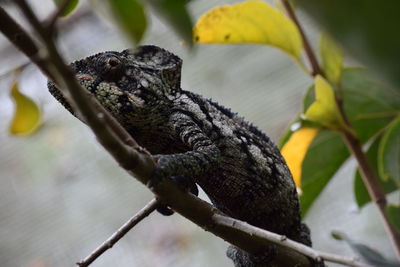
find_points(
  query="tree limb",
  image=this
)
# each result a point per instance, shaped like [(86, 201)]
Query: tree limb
[(283, 241)]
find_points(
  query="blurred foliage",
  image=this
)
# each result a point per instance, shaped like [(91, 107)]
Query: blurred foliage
[(27, 115), (366, 28), (369, 254), (249, 22), (70, 7), (393, 213), (389, 153), (324, 110), (360, 191), (325, 156), (175, 13), (331, 58), (131, 16)]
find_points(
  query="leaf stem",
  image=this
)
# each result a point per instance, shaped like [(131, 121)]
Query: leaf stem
[(307, 47)]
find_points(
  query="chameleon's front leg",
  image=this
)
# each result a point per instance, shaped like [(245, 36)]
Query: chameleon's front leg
[(182, 166)]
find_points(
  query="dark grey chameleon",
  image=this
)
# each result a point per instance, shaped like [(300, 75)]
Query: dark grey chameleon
[(198, 140)]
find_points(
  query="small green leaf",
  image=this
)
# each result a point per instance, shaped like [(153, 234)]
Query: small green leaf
[(389, 153), (325, 110), (338, 235), (324, 157), (393, 213), (131, 16), (70, 7), (361, 194), (176, 14), (332, 58), (27, 114)]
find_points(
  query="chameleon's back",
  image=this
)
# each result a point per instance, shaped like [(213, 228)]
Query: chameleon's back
[(239, 167), (252, 181)]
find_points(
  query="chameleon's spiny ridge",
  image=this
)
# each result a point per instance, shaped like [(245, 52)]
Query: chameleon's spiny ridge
[(238, 166)]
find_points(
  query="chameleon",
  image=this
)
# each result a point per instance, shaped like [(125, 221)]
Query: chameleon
[(196, 141)]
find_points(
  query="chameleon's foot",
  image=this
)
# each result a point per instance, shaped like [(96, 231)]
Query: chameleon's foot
[(164, 210), (184, 183)]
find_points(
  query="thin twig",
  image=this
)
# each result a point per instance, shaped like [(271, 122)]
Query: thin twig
[(307, 47), (121, 232), (284, 241), (373, 187), (22, 40)]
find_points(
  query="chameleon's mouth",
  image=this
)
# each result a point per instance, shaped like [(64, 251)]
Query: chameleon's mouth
[(84, 77)]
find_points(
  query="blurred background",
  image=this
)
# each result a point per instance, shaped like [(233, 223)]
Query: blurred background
[(62, 195)]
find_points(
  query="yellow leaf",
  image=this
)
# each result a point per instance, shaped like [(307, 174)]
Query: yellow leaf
[(249, 22), (332, 58), (324, 110), (27, 114), (295, 150)]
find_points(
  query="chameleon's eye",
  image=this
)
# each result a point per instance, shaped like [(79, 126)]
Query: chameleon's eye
[(113, 64), (110, 66)]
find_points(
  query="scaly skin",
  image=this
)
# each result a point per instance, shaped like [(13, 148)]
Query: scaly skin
[(238, 166)]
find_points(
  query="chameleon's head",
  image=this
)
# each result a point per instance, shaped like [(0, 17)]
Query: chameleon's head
[(131, 83)]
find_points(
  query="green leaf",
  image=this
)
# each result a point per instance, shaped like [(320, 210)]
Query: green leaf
[(393, 213), (70, 7), (324, 110), (369, 105), (389, 153), (176, 14), (360, 191), (367, 29), (309, 98), (249, 22), (324, 157), (27, 116), (332, 58), (131, 16)]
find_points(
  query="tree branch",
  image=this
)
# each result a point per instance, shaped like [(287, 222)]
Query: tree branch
[(137, 161), (121, 232), (283, 241), (18, 36)]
